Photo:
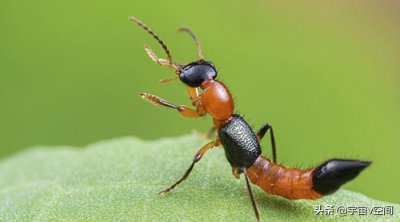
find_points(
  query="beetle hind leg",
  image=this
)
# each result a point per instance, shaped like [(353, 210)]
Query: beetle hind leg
[(260, 135), (236, 172)]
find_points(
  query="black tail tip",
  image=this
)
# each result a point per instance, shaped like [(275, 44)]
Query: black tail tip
[(329, 176)]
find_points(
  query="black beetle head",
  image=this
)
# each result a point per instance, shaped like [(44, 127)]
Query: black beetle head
[(197, 72)]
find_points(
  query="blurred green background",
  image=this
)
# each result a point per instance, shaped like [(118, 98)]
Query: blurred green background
[(325, 75)]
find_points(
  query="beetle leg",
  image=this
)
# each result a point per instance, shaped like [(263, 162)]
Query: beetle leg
[(196, 159), (203, 135), (194, 95), (184, 110), (253, 201), (235, 172), (261, 134)]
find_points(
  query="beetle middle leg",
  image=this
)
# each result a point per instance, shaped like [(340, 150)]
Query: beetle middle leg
[(261, 134), (184, 110), (196, 159)]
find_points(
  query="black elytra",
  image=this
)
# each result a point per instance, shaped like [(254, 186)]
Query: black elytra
[(193, 74), (240, 143)]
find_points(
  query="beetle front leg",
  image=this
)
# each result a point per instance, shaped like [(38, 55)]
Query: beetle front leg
[(184, 110)]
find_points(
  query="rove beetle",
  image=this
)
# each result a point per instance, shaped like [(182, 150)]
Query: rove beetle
[(241, 144)]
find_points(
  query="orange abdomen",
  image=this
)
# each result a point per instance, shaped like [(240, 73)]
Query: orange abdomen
[(291, 183), (217, 100)]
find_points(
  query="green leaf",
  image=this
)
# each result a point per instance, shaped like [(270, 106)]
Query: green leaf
[(118, 180)]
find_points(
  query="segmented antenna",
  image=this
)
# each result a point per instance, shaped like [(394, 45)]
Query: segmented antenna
[(196, 40), (145, 27)]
